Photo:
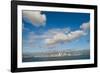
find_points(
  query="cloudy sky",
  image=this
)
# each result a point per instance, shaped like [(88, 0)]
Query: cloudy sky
[(45, 31)]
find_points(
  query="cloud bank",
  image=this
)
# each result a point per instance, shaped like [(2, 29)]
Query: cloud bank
[(33, 37), (36, 18), (61, 37), (69, 36), (55, 36)]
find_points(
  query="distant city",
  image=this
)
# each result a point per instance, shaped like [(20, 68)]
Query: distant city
[(57, 54)]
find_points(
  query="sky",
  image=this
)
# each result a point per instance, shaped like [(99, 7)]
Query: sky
[(47, 31)]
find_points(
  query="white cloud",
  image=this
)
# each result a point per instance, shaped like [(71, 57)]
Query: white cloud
[(47, 34), (33, 37), (61, 37), (35, 17), (85, 26)]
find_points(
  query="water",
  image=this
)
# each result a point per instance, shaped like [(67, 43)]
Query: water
[(38, 59)]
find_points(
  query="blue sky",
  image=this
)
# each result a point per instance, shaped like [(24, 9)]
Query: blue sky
[(37, 35)]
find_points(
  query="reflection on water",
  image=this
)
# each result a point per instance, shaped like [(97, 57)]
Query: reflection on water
[(55, 55)]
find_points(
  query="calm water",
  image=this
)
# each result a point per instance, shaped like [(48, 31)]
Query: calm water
[(34, 59)]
